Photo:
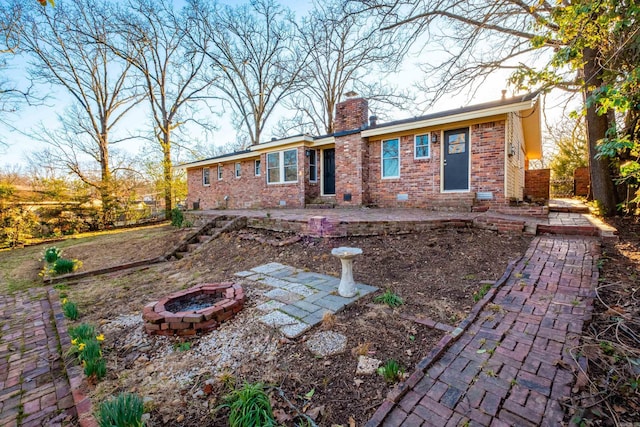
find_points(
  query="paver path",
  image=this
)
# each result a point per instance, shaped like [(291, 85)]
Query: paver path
[(513, 364), (34, 390)]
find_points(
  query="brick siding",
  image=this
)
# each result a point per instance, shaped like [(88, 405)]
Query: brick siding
[(536, 183), (248, 191), (419, 180)]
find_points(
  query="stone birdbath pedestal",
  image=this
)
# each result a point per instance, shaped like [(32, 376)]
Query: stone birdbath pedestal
[(347, 286)]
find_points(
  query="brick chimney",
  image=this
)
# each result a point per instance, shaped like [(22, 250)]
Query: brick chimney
[(351, 114)]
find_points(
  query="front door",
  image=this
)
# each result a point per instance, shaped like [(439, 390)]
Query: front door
[(329, 172), (455, 163)]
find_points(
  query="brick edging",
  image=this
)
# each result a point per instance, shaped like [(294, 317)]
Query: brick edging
[(75, 375), (448, 339)]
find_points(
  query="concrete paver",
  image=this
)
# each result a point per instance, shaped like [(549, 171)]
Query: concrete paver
[(299, 299), (34, 389), (512, 365)]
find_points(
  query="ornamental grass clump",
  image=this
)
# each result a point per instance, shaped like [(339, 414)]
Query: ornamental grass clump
[(86, 346), (125, 410), (249, 406)]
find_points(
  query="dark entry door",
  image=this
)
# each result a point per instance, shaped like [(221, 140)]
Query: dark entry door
[(329, 171), (456, 160)]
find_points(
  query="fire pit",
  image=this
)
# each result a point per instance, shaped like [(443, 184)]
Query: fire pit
[(198, 309)]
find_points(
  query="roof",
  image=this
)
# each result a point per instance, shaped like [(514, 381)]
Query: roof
[(527, 103)]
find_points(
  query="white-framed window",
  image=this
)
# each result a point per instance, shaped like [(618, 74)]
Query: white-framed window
[(238, 170), (219, 172), (313, 165), (256, 167), (421, 147), (282, 167), (391, 158), (206, 180)]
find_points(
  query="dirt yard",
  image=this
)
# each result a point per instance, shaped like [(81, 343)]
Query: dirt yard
[(436, 274)]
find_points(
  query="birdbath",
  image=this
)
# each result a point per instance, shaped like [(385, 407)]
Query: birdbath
[(347, 286)]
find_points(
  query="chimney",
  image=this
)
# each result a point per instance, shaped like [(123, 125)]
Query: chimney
[(373, 121), (351, 114), (504, 94)]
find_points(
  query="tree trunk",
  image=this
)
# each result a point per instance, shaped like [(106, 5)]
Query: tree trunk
[(602, 186), (105, 182), (166, 170)]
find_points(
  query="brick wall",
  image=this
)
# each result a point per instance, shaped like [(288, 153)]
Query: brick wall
[(419, 181), (248, 191), (581, 181), (536, 183), (351, 114), (351, 160)]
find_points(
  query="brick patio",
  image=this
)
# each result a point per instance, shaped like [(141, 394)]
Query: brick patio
[(34, 389), (513, 363)]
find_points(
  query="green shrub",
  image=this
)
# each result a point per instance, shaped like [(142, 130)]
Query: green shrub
[(52, 254), (176, 217), (125, 410), (70, 310), (389, 298), (391, 371), (249, 406), (64, 266)]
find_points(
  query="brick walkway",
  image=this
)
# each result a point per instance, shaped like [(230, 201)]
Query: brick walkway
[(34, 390), (512, 365)]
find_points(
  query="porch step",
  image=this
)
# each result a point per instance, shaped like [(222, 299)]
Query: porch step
[(453, 203), (323, 202)]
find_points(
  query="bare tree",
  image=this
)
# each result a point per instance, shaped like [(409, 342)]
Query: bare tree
[(347, 51), (154, 39), (59, 42), (254, 50), (478, 37)]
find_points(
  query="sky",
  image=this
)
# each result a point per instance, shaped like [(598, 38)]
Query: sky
[(29, 118)]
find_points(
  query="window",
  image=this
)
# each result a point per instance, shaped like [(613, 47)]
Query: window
[(282, 166), (256, 167), (391, 158), (205, 177), (313, 166), (219, 172), (422, 150), (238, 170)]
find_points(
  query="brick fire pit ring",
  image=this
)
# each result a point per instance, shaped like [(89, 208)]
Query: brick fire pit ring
[(198, 309)]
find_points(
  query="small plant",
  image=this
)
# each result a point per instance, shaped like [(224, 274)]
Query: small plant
[(82, 332), (607, 348), (391, 299), (125, 410), (480, 293), (64, 266), (51, 254), (187, 224), (391, 371), (182, 346), (249, 406), (361, 349), (177, 217), (328, 320), (70, 309)]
